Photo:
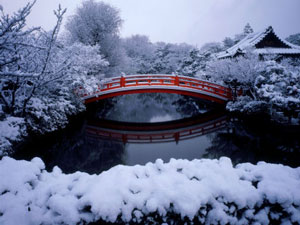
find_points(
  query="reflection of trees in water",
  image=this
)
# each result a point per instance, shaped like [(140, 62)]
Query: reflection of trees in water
[(190, 106), (143, 107), (246, 142), (72, 151)]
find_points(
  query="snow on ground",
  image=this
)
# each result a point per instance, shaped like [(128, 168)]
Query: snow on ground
[(11, 130), (210, 191)]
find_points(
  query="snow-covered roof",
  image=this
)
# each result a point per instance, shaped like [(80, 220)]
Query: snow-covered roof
[(251, 40), (277, 51)]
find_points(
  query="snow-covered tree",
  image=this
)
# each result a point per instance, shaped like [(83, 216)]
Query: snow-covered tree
[(228, 42), (94, 22), (140, 51), (86, 60), (248, 29), (138, 45), (38, 74), (98, 23), (239, 72), (280, 88), (193, 63), (212, 47), (34, 88), (27, 58), (294, 38), (168, 57), (269, 87)]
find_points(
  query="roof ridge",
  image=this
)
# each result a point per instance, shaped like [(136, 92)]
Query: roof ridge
[(252, 39), (261, 35), (288, 43)]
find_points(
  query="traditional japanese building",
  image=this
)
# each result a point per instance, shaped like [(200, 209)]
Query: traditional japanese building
[(263, 43)]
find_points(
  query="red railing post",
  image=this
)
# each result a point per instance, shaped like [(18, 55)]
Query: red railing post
[(176, 82), (240, 92), (122, 81), (124, 138), (177, 137)]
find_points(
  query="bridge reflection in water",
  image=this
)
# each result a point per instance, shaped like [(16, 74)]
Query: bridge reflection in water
[(161, 132)]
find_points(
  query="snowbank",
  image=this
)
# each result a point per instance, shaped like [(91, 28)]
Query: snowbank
[(205, 191)]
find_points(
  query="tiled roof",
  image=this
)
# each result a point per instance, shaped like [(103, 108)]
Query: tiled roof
[(254, 38), (277, 51)]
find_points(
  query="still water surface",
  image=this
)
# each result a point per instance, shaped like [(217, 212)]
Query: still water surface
[(94, 143)]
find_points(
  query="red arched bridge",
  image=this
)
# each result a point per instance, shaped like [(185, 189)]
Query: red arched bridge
[(182, 85), (142, 133)]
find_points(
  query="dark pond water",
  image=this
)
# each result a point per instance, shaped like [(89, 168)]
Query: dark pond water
[(138, 129)]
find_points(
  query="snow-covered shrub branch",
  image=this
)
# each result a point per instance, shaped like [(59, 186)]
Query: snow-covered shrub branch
[(199, 191), (12, 129), (29, 68)]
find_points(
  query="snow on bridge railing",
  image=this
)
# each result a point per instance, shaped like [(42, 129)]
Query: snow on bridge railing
[(158, 80)]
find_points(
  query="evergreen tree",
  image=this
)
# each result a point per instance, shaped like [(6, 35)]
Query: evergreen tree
[(248, 29), (228, 42), (193, 63), (294, 39)]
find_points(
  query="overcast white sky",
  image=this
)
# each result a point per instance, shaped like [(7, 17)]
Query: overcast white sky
[(191, 21)]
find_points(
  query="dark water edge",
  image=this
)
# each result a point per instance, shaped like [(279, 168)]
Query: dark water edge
[(257, 138), (243, 138)]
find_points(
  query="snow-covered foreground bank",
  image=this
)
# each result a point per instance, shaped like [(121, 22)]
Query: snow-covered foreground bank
[(208, 191)]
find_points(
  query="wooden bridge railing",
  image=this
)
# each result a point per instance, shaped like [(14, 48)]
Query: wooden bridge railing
[(158, 80)]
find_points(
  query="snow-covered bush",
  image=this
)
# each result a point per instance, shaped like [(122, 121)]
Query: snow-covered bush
[(294, 38), (270, 87), (12, 130), (85, 59), (181, 191), (247, 105), (46, 114), (237, 72), (279, 87)]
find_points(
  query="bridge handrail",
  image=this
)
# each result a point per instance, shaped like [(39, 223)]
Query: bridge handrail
[(154, 77), (166, 76)]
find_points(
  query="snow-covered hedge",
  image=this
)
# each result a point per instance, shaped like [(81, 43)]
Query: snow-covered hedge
[(199, 191)]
